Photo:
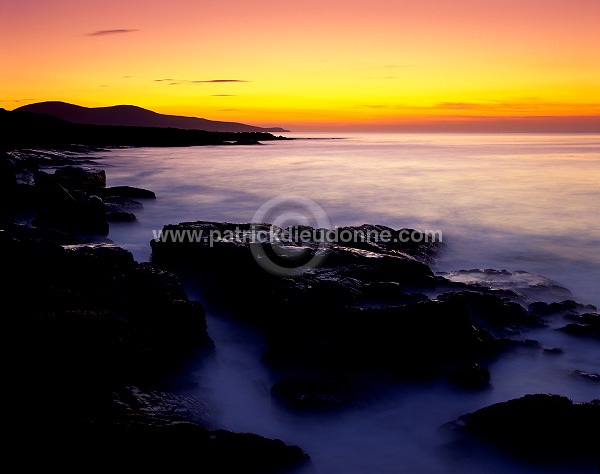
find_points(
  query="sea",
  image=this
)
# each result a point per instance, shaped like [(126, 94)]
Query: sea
[(506, 201)]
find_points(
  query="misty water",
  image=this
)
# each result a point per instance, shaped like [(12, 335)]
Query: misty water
[(526, 202)]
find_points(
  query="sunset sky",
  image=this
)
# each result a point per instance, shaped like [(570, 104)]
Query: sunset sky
[(314, 65)]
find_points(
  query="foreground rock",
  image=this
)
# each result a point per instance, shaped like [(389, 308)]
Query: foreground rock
[(84, 321), (127, 192), (91, 310), (523, 283), (64, 193), (587, 324), (137, 429), (370, 305), (550, 427)]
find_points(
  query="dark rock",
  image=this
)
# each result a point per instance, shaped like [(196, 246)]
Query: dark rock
[(585, 318), (525, 284), (470, 376), (67, 210), (128, 401), (151, 430), (546, 426), (120, 216), (246, 142), (493, 313), (81, 178), (553, 350), (128, 192), (540, 308), (96, 314), (115, 203), (8, 170), (411, 340), (17, 190), (358, 310), (587, 324)]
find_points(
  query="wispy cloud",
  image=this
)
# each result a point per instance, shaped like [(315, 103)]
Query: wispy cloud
[(178, 82), (17, 100), (483, 106), (110, 32), (219, 80)]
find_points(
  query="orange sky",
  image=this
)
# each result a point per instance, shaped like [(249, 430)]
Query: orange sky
[(314, 65)]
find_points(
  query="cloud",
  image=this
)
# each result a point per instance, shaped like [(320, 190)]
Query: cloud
[(219, 80), (485, 106), (109, 32), (222, 95), (179, 82), (226, 110), (17, 100)]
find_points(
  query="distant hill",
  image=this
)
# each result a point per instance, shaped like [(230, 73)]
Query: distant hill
[(130, 115), (19, 129)]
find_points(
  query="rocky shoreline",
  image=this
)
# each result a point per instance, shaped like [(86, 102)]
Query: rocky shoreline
[(98, 335)]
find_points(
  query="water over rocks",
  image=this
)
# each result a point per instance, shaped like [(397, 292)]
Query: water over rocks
[(100, 330)]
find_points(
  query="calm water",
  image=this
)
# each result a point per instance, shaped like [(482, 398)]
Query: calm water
[(507, 201)]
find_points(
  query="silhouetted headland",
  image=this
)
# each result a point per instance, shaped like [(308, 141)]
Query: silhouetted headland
[(21, 129), (133, 116)]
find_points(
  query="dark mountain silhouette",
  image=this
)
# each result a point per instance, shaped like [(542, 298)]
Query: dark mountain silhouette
[(20, 129), (130, 115)]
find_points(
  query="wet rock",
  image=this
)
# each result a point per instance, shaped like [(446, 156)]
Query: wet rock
[(140, 429), (17, 190), (67, 210), (523, 283), (89, 312), (413, 340), (115, 203), (384, 293), (81, 178), (131, 400), (8, 170), (541, 308), (470, 376), (120, 216), (553, 350), (586, 324), (493, 313), (541, 426), (247, 142), (127, 192), (361, 308), (584, 318)]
